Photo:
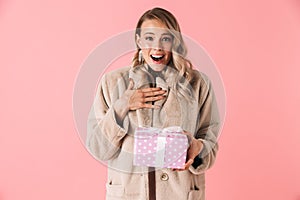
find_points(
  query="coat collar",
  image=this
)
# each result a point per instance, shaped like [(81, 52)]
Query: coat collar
[(141, 76)]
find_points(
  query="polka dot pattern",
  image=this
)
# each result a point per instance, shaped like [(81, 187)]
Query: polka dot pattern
[(145, 147)]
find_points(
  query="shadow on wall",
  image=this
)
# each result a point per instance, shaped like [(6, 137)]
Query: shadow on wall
[(296, 3), (3, 8)]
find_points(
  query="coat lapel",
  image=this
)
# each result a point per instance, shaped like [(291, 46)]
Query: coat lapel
[(171, 112)]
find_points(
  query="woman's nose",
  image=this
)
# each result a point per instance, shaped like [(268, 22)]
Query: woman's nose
[(157, 45)]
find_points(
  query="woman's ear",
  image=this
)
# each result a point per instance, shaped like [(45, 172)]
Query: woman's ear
[(138, 40)]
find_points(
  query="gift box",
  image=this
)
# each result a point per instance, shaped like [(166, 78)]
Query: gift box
[(162, 148)]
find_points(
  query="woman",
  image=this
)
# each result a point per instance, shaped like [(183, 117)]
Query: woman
[(160, 89)]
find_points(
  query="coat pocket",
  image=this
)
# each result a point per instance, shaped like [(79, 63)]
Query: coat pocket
[(196, 195), (114, 190)]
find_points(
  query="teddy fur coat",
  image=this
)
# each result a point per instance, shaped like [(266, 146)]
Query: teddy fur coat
[(112, 142)]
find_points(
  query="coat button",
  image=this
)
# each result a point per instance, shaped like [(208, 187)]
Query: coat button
[(164, 177), (147, 120)]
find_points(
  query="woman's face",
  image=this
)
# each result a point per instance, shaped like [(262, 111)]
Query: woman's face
[(156, 43)]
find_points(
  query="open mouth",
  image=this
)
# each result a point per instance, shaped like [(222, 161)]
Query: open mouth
[(157, 57)]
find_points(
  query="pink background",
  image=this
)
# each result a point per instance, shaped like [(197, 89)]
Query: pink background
[(255, 45)]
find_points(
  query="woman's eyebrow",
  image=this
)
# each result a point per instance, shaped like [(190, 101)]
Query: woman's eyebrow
[(169, 34), (149, 33)]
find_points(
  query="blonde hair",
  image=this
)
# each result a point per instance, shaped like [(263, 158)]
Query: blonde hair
[(179, 51)]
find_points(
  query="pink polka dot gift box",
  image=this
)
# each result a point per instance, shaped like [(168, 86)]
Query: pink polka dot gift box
[(162, 148)]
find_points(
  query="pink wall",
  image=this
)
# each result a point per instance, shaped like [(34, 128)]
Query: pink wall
[(255, 45)]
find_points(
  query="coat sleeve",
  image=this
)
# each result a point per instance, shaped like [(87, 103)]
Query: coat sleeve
[(208, 126), (104, 134)]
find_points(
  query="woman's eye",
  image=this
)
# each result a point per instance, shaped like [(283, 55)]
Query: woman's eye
[(149, 38), (166, 39)]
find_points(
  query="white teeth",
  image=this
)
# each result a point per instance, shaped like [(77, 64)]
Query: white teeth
[(157, 56)]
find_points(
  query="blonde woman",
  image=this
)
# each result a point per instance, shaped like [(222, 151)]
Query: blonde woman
[(160, 89)]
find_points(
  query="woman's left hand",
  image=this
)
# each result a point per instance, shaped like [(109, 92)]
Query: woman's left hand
[(195, 148)]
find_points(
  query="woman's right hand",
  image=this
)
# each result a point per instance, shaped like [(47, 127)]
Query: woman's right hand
[(134, 99), (139, 98)]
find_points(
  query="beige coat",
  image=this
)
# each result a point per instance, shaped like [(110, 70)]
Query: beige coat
[(113, 143)]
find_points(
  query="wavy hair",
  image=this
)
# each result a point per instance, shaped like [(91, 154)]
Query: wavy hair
[(179, 51)]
